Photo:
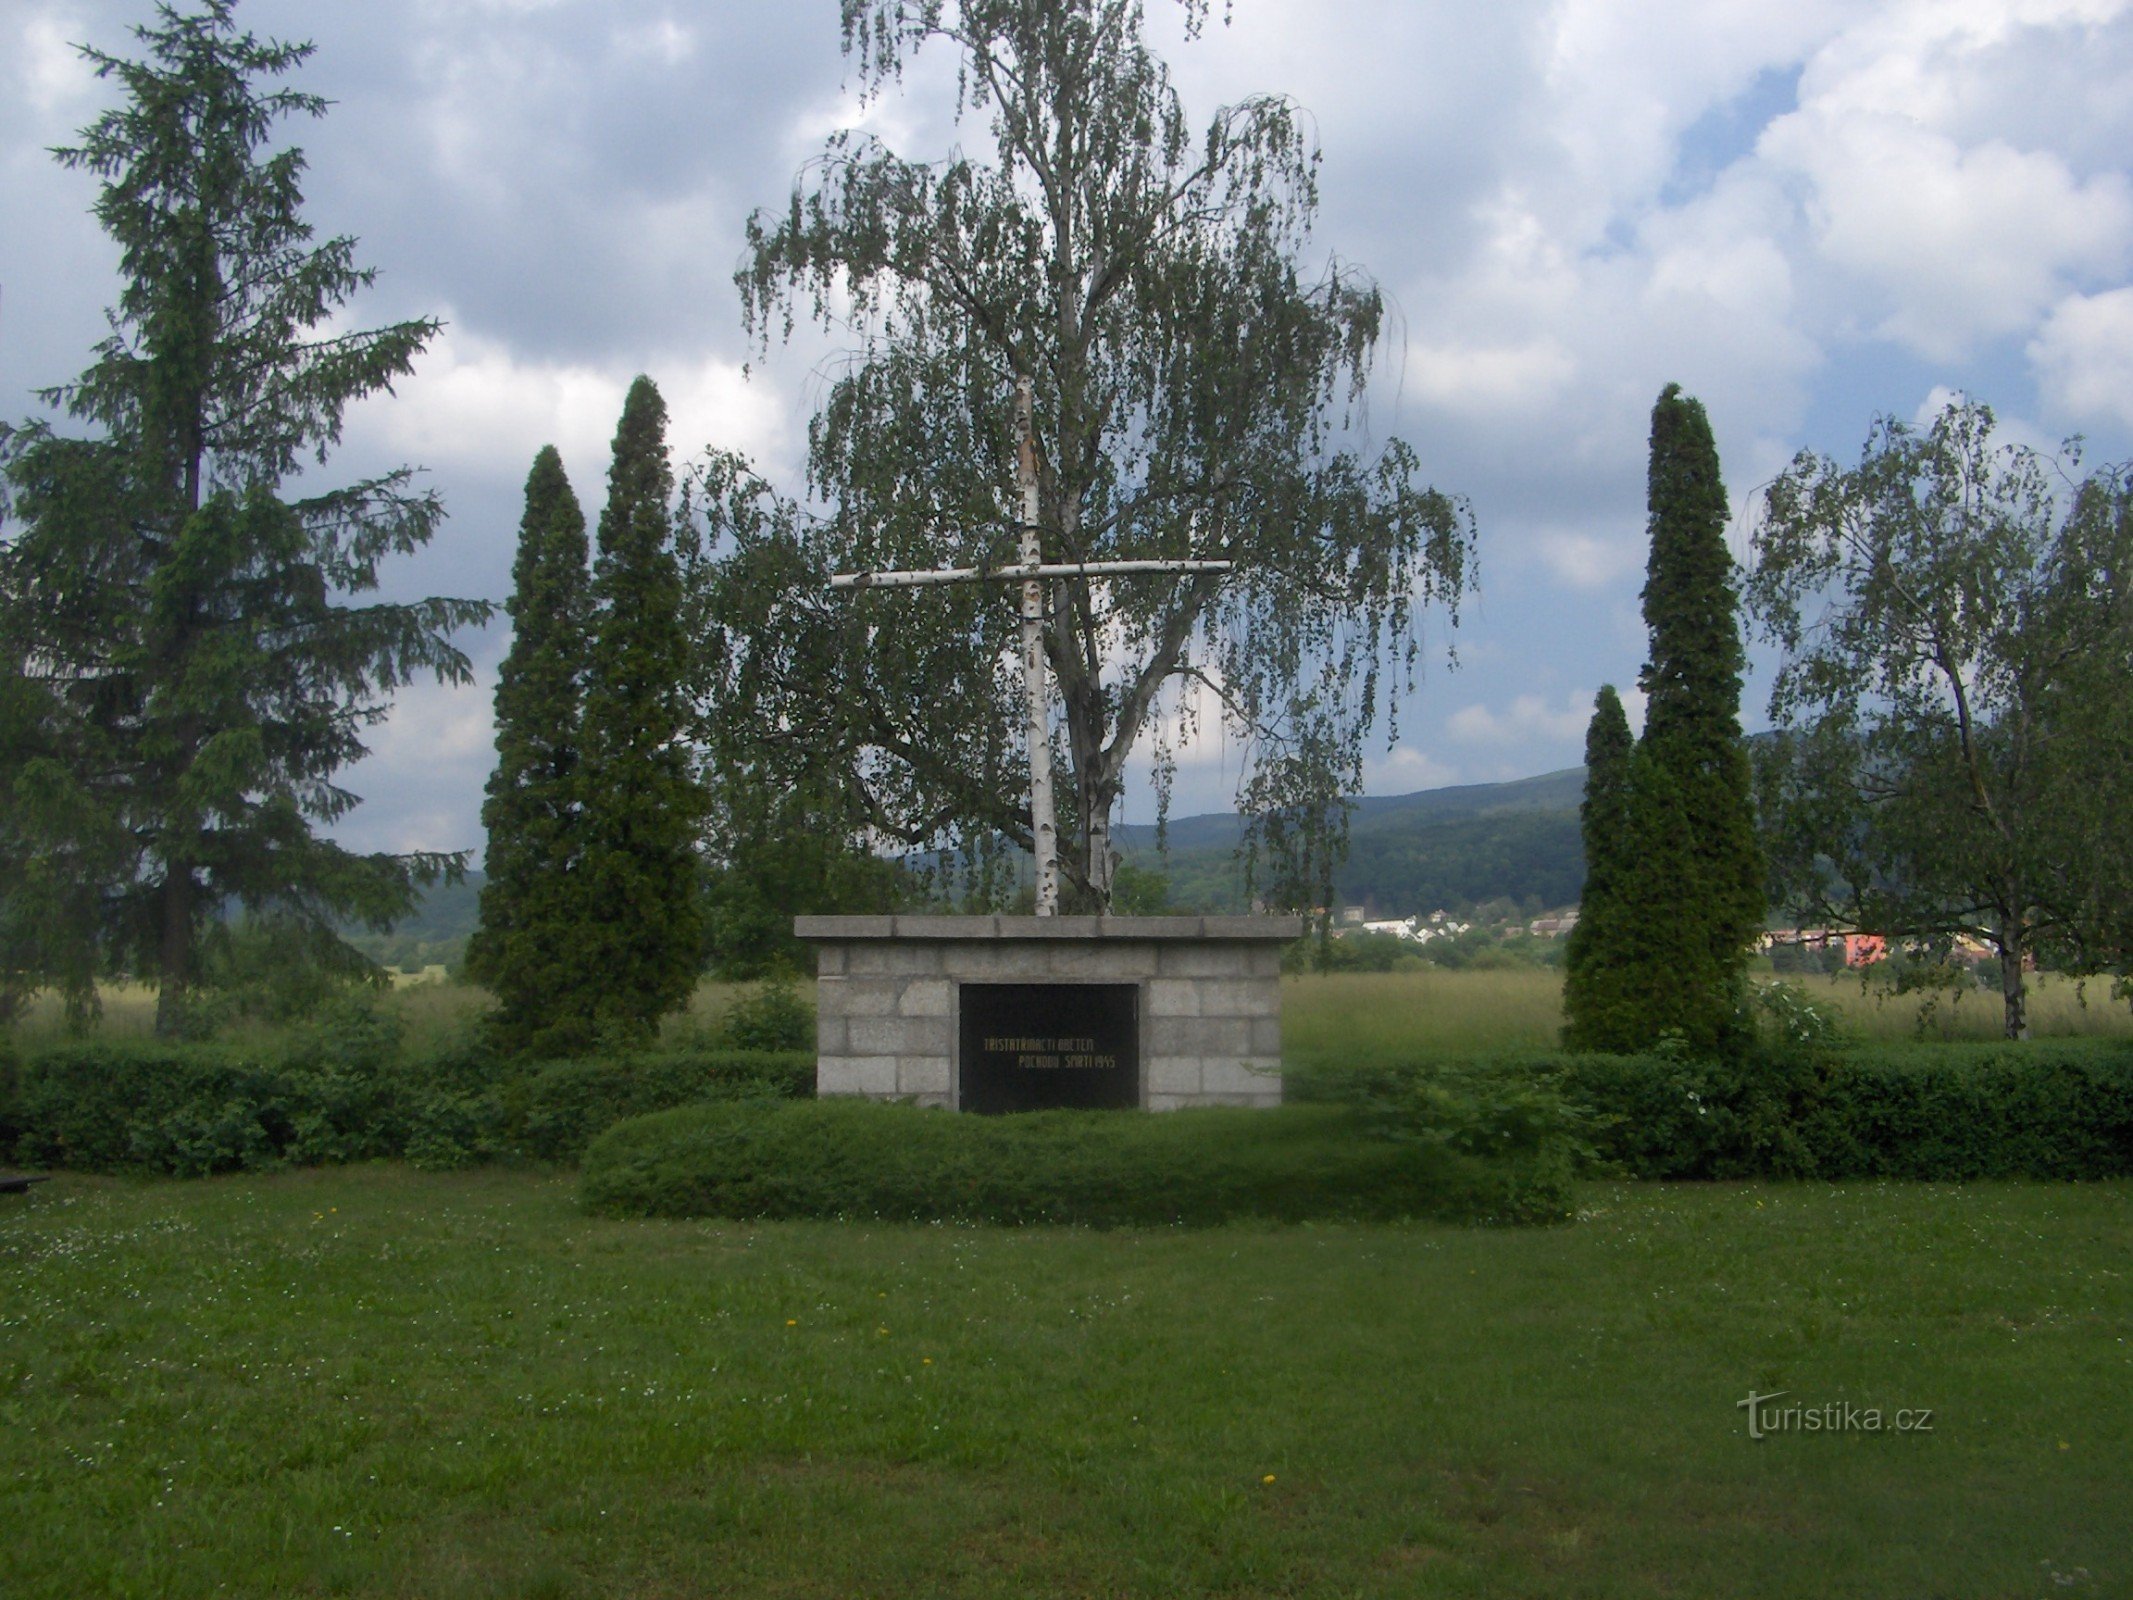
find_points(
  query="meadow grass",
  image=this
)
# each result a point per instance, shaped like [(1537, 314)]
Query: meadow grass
[(2059, 1008), (1368, 1019), (372, 1381), (1365, 1019), (430, 1013), (1333, 1019)]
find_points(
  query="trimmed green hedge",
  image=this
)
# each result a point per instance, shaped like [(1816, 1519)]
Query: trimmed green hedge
[(342, 1091), (854, 1158), (2045, 1109), (191, 1109)]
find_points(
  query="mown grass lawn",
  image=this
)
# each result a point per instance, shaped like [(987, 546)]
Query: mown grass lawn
[(374, 1381)]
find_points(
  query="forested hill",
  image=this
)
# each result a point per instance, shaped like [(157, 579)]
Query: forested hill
[(1407, 853), (434, 933)]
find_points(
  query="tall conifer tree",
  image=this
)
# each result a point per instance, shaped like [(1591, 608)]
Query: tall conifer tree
[(188, 670), (642, 943), (1698, 899), (528, 948), (1596, 994)]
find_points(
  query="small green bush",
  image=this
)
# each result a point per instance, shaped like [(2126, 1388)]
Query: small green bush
[(1475, 1110), (772, 1018), (558, 1109), (854, 1158)]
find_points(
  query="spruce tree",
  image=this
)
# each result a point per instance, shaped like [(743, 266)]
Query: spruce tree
[(528, 947), (1697, 902), (191, 673), (642, 941), (1598, 1007)]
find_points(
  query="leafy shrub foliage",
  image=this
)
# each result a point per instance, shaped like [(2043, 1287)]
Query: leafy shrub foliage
[(774, 1017), (190, 1110), (340, 1089), (560, 1108), (1940, 1112), (853, 1158)]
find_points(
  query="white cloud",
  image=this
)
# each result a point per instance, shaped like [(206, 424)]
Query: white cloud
[(1634, 701), (663, 40), (473, 402), (2083, 356), (1406, 770), (1511, 377), (1626, 80), (1963, 243), (49, 68), (1528, 718), (1587, 560), (1923, 159), (1189, 718)]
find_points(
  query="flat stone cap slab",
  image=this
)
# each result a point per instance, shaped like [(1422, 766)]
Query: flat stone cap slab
[(1142, 929)]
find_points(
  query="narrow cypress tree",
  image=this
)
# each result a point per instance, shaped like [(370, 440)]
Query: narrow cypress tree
[(1598, 1008), (527, 949), (642, 942), (1698, 900)]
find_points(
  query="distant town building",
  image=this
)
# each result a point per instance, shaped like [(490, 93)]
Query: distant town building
[(1415, 929), (1859, 949)]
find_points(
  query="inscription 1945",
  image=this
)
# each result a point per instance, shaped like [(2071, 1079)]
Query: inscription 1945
[(1037, 1054), (1035, 1046)]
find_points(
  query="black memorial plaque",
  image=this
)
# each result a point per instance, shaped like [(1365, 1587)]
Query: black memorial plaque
[(1040, 1046)]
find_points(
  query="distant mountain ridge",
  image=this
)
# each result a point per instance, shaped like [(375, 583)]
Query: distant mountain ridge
[(1435, 848), (1551, 791), (1459, 845)]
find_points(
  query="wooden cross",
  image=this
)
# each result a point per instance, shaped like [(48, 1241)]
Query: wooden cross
[(1033, 571)]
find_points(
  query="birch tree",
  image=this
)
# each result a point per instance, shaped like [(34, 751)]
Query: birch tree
[(1200, 376)]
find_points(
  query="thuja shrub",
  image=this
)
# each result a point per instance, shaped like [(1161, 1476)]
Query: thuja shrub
[(849, 1158), (559, 1108)]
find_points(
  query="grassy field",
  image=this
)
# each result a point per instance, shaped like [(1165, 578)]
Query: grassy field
[(1433, 1014), (1344, 1017), (428, 1010), (372, 1381)]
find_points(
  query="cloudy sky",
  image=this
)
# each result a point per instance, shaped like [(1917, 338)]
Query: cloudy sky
[(1807, 213)]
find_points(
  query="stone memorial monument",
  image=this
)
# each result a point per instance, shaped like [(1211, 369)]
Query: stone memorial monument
[(1027, 1013)]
